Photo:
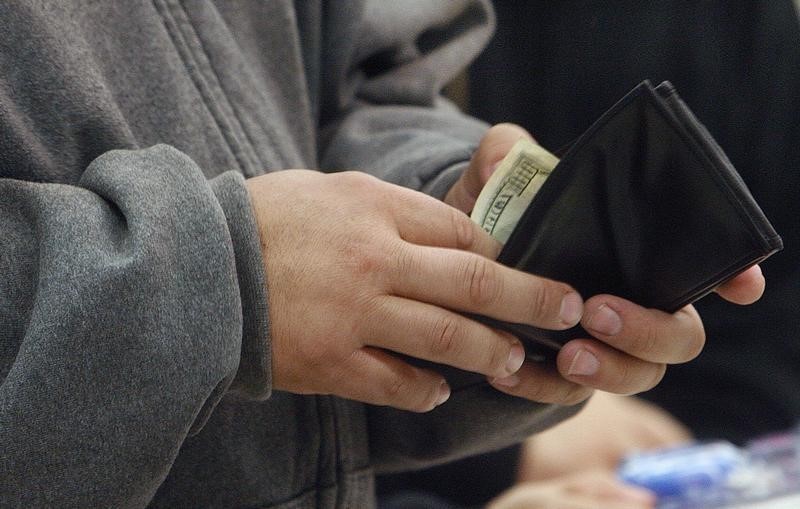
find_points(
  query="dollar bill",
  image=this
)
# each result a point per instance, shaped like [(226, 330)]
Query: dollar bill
[(511, 188)]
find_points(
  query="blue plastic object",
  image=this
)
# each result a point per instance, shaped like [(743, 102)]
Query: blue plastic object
[(683, 471)]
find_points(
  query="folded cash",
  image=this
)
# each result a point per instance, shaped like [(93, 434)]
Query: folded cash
[(511, 188)]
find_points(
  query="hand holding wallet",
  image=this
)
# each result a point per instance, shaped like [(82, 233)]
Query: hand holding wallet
[(644, 205)]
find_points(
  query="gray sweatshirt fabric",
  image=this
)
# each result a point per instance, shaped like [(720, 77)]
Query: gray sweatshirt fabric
[(134, 333)]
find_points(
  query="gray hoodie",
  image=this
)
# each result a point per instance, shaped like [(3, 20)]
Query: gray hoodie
[(134, 333)]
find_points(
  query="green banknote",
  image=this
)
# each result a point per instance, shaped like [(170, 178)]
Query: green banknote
[(512, 187)]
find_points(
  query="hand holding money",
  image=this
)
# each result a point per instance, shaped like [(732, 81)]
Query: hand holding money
[(512, 187), (363, 274), (611, 356)]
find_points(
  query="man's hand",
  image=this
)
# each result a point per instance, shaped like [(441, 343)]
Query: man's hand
[(631, 345), (359, 270), (494, 146)]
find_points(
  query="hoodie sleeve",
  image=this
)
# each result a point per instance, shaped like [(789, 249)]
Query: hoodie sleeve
[(381, 108), (129, 303)]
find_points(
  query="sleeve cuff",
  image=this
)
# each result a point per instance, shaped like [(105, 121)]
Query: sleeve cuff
[(254, 377), (441, 184)]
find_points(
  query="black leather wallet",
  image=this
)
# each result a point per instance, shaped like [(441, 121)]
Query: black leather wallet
[(644, 205)]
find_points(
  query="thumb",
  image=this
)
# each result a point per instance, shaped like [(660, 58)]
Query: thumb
[(493, 147)]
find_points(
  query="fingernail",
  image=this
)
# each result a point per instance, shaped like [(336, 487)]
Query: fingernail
[(583, 364), (605, 321), (506, 381), (515, 358), (571, 308), (444, 393)]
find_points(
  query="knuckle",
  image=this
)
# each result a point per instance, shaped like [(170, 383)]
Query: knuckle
[(396, 388), (538, 302), (649, 343), (444, 336), (403, 392), (366, 258), (627, 379), (505, 132), (695, 344), (463, 229), (499, 127), (537, 387), (483, 284), (638, 381), (497, 358), (511, 128), (658, 375), (369, 266), (357, 178), (635, 377), (574, 394), (371, 311), (405, 260), (542, 393), (558, 392)]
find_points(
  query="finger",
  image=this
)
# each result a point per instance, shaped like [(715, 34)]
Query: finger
[(541, 383), (494, 146), (594, 364), (376, 377), (648, 334), (465, 191), (424, 220), (431, 333), (745, 288), (466, 282)]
